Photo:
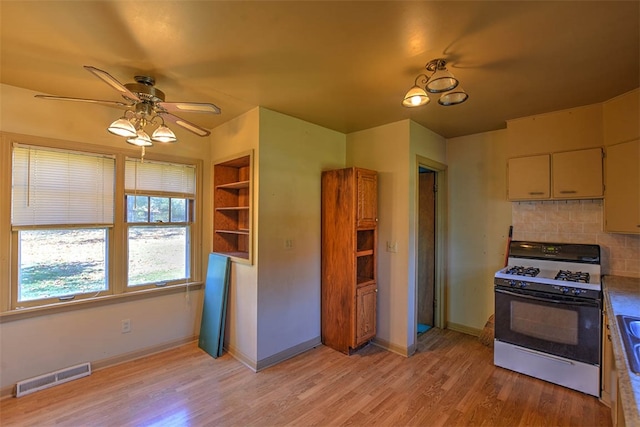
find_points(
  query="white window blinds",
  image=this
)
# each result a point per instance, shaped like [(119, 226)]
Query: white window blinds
[(52, 187), (160, 177)]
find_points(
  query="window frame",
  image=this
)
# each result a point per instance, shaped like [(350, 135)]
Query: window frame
[(116, 235), (137, 224)]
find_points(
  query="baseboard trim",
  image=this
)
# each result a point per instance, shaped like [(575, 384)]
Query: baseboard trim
[(274, 359), (128, 357), (402, 351), (288, 353), (464, 329), (242, 358), (119, 359)]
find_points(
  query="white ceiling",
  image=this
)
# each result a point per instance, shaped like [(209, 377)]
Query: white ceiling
[(344, 65)]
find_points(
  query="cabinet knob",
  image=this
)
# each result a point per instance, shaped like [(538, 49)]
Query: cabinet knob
[(568, 192)]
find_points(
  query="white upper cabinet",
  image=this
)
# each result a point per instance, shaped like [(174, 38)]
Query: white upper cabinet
[(529, 178), (622, 198), (577, 174)]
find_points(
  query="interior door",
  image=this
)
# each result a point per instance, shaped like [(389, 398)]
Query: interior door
[(426, 247)]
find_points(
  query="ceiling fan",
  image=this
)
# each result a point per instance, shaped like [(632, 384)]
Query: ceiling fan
[(144, 105)]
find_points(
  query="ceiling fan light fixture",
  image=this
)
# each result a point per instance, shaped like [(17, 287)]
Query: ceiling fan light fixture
[(453, 97), (141, 139), (122, 127), (201, 108), (415, 97), (163, 134), (144, 107)]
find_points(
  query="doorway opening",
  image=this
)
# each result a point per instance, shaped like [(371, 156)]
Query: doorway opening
[(430, 241), (427, 190)]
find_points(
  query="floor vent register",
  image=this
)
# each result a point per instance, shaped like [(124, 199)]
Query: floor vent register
[(52, 379)]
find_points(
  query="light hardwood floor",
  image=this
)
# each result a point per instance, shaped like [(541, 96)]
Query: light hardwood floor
[(450, 381)]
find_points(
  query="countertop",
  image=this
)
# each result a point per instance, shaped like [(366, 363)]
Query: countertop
[(622, 296)]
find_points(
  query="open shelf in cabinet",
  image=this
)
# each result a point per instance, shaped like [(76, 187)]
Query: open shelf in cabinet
[(365, 255), (232, 207)]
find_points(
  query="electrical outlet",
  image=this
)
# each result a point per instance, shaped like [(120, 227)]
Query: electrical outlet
[(288, 244), (392, 247), (126, 326)]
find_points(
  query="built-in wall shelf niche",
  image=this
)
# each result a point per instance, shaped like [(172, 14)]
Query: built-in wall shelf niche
[(232, 214)]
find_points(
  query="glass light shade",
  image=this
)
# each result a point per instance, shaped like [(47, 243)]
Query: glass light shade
[(441, 81), (122, 127), (454, 97), (163, 134), (415, 97), (141, 139)]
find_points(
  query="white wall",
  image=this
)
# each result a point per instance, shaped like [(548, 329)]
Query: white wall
[(41, 344), (293, 154), (479, 219)]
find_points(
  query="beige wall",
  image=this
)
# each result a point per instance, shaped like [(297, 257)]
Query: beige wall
[(233, 138), (385, 149), (293, 154), (391, 150), (274, 303), (53, 341), (479, 220)]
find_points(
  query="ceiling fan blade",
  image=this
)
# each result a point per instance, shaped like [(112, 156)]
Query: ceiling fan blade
[(191, 127), (190, 107), (114, 104), (111, 81)]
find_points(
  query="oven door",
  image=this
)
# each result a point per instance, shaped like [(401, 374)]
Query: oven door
[(561, 325)]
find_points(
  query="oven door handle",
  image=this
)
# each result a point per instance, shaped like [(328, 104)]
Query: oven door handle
[(531, 297)]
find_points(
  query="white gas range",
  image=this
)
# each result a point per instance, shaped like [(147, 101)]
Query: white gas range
[(548, 313)]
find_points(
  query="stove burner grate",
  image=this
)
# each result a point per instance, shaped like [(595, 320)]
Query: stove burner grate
[(573, 276), (523, 271)]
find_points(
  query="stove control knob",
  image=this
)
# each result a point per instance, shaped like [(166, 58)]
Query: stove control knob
[(523, 284), (512, 282), (576, 291), (564, 289)]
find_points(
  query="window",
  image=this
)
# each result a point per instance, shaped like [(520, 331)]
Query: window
[(67, 243), (159, 211), (61, 216)]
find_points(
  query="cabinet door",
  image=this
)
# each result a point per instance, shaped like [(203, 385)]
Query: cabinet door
[(529, 178), (365, 314), (622, 198), (607, 383), (577, 174), (367, 203)]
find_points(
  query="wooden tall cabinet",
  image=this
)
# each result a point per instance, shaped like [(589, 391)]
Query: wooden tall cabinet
[(349, 257)]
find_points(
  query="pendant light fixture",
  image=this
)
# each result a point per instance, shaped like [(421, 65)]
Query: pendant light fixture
[(439, 81)]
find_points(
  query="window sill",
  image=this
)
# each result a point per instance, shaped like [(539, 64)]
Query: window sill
[(26, 313)]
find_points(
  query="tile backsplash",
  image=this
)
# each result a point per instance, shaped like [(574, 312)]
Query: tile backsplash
[(577, 221)]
